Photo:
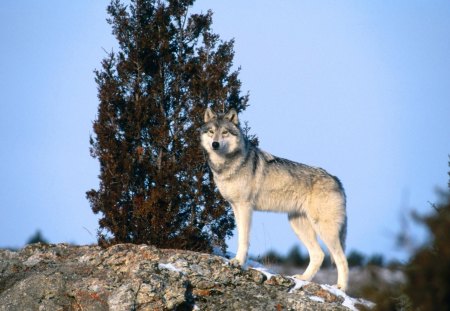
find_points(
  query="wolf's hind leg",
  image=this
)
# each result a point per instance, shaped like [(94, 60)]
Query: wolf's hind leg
[(305, 232), (329, 233)]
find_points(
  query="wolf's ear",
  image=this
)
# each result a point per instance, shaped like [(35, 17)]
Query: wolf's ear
[(232, 116), (209, 115)]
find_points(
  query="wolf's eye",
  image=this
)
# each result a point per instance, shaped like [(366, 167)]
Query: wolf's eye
[(225, 132), (210, 131)]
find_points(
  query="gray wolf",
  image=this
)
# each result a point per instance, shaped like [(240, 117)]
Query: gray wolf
[(253, 180)]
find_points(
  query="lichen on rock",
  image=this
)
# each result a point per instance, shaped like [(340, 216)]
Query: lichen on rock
[(142, 277)]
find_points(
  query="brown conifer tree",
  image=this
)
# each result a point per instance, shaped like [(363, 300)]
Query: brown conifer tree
[(155, 187)]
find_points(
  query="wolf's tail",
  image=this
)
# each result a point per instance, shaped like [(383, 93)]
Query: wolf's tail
[(343, 233), (343, 229)]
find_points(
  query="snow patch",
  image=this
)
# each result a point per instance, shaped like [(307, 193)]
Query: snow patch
[(169, 266), (298, 284), (264, 271), (227, 255), (315, 298), (349, 302)]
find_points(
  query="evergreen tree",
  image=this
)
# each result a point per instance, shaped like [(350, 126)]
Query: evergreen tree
[(272, 257), (155, 186), (355, 259), (427, 286), (294, 257), (428, 272), (37, 237)]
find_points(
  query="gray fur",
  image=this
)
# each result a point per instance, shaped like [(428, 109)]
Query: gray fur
[(252, 179)]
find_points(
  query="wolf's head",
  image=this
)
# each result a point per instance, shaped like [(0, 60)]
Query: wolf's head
[(220, 134)]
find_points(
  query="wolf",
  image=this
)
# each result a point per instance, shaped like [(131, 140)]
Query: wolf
[(253, 180)]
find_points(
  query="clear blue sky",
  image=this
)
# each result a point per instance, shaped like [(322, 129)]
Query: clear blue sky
[(360, 88)]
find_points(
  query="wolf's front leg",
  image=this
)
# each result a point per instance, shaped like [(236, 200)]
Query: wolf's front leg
[(243, 215)]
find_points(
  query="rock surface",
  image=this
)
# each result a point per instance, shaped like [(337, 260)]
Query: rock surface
[(141, 277)]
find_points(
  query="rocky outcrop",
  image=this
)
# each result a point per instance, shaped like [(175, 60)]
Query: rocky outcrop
[(141, 277)]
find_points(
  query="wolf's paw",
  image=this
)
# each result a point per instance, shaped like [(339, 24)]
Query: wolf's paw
[(340, 287), (301, 277), (235, 263)]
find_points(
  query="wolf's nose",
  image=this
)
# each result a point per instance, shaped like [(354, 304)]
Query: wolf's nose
[(215, 145)]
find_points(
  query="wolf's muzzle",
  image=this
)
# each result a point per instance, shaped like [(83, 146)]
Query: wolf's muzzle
[(215, 145)]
